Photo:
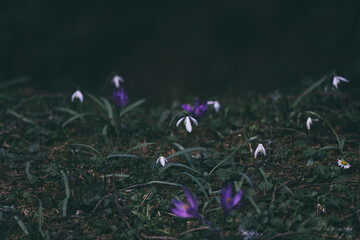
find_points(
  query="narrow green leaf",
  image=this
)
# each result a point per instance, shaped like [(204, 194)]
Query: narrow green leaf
[(287, 189), (164, 182), (21, 225), (121, 155), (177, 165), (28, 174), (89, 147), (17, 115), (67, 192), (14, 82), (95, 99), (263, 174), (131, 106), (187, 156), (254, 204), (139, 146), (118, 175), (74, 118), (187, 150), (198, 183)]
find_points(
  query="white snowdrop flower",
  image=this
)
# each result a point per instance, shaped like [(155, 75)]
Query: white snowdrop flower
[(343, 164), (216, 105), (308, 123), (77, 94), (260, 149), (116, 80), (162, 160), (337, 79), (187, 122)]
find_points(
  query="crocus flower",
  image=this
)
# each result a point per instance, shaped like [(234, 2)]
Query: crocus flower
[(77, 94), (260, 148), (186, 210), (343, 163), (187, 122), (337, 79), (162, 160), (116, 80), (228, 203), (120, 98), (308, 123), (216, 105), (198, 110)]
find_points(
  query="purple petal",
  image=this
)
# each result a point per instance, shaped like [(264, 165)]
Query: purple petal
[(180, 212), (187, 108), (237, 198), (200, 110), (226, 200), (196, 103), (178, 204), (191, 199)]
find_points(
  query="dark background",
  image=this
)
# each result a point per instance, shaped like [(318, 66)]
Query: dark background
[(166, 49)]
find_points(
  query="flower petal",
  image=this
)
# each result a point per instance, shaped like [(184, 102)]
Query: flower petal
[(187, 108), (237, 198), (180, 212), (308, 123), (179, 121), (191, 198), (188, 124), (194, 121)]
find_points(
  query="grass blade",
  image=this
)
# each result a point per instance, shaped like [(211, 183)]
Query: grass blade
[(187, 156), (254, 204), (164, 182), (131, 106), (121, 155), (177, 165), (28, 174), (139, 146), (14, 82), (95, 99), (311, 88), (187, 150), (89, 147), (15, 114), (21, 225), (67, 192), (228, 157), (74, 118), (198, 183), (118, 175)]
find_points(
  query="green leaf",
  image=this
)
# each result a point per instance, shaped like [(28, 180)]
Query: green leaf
[(95, 99), (187, 150), (14, 82), (21, 225), (198, 183), (254, 204), (121, 155), (75, 117), (22, 118), (89, 147), (177, 165), (67, 192), (132, 106), (139, 146)]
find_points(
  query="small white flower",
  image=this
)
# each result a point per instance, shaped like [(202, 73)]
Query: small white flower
[(187, 122), (216, 105), (162, 160), (116, 80), (343, 163), (77, 94), (260, 148), (308, 123), (337, 79)]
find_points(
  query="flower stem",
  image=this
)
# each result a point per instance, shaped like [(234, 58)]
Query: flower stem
[(167, 130), (199, 216), (222, 226)]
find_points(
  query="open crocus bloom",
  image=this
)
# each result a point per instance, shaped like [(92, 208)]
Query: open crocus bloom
[(77, 94), (216, 105), (186, 210), (228, 203), (120, 98), (187, 122), (116, 80), (198, 110), (260, 149), (337, 79), (162, 160), (343, 163)]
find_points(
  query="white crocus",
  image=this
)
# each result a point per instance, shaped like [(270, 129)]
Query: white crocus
[(260, 149), (337, 79), (187, 122), (77, 94), (308, 123), (216, 105), (162, 160), (116, 80), (343, 163)]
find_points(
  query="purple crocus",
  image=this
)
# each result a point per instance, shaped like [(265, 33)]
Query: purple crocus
[(184, 210), (198, 110), (120, 98), (228, 203)]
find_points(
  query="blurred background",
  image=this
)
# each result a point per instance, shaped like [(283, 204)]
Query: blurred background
[(170, 49)]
